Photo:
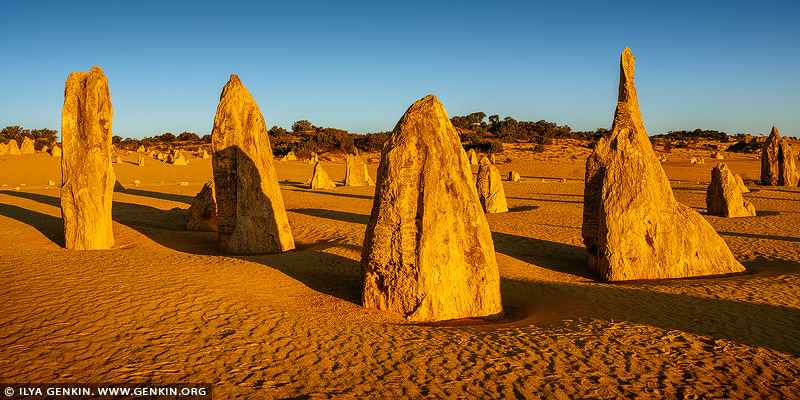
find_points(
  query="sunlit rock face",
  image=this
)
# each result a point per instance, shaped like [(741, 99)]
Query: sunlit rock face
[(87, 177), (428, 252), (724, 195), (633, 227), (250, 212), (777, 162)]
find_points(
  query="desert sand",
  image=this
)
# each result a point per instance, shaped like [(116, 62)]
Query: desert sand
[(166, 306)]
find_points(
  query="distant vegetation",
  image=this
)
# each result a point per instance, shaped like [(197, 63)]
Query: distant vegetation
[(694, 136), (41, 137)]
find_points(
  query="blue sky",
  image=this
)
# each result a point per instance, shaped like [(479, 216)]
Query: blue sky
[(358, 65)]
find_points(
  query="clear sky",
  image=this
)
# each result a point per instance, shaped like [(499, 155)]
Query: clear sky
[(357, 65)]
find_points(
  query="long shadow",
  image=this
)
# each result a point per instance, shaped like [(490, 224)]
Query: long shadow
[(49, 226), (180, 198), (755, 236), (522, 208), (769, 198), (546, 254), (545, 200), (327, 273), (54, 201), (333, 214), (762, 325), (328, 193)]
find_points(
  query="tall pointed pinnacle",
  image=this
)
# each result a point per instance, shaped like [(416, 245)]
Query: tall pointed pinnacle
[(633, 227), (628, 113)]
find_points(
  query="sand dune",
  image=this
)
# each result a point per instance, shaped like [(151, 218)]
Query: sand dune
[(165, 306)]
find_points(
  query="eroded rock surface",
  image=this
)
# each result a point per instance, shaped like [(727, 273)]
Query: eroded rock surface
[(777, 162), (87, 177), (724, 195), (13, 148), (490, 188), (250, 211), (428, 252), (203, 211), (356, 173), (633, 227), (320, 179), (27, 146)]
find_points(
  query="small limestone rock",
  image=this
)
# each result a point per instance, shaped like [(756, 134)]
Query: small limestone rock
[(205, 155), (701, 161), (663, 158), (141, 161), (633, 227), (118, 160), (777, 162), (473, 158), (356, 173), (141, 149), (13, 148), (160, 156), (86, 173), (180, 160), (290, 156), (320, 179), (492, 159), (724, 196), (490, 188), (563, 180), (250, 211), (3, 149), (314, 159), (513, 176), (45, 149), (203, 211), (51, 183), (27, 146), (693, 160), (136, 183), (17, 188), (56, 152), (717, 155), (428, 252), (183, 183)]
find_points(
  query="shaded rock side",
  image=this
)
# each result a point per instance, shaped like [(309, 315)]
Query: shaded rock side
[(724, 195), (777, 162), (250, 210), (490, 188), (633, 227), (87, 177), (203, 211), (27, 146), (513, 176), (320, 179), (3, 149), (13, 148), (428, 252), (356, 173)]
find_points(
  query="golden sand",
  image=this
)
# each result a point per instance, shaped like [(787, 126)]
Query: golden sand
[(164, 306)]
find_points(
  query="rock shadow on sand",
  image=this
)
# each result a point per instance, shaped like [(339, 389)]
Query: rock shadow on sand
[(744, 322), (554, 256), (51, 227)]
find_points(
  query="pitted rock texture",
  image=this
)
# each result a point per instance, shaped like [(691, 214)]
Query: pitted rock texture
[(428, 252), (490, 188), (633, 227), (724, 195), (250, 211), (87, 177), (777, 162)]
